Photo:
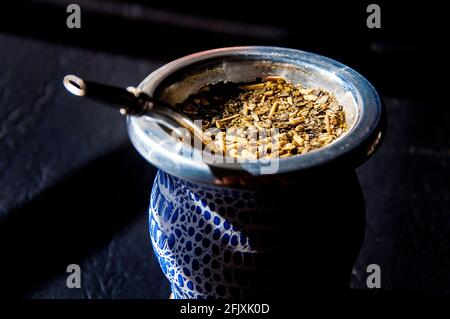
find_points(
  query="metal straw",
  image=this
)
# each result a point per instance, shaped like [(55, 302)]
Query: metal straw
[(132, 101)]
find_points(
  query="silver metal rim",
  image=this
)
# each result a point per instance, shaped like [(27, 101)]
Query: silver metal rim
[(369, 117)]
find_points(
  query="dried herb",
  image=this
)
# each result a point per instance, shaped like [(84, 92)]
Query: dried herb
[(270, 118)]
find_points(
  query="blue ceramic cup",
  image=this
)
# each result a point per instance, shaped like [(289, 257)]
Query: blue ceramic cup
[(265, 228)]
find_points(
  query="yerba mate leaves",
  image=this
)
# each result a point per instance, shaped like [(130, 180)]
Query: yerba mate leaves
[(266, 119)]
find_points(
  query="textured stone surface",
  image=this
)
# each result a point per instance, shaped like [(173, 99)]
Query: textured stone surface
[(406, 189), (73, 188), (74, 191)]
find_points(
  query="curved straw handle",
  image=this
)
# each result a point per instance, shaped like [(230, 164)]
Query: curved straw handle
[(132, 101), (127, 101)]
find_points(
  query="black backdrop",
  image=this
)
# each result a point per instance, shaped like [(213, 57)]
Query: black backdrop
[(72, 189)]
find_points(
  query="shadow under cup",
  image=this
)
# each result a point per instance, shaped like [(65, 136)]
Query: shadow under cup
[(238, 230)]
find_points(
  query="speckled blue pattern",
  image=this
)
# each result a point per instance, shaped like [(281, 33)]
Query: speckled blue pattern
[(202, 238)]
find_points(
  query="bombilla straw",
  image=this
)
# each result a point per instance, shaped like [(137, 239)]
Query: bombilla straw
[(132, 101)]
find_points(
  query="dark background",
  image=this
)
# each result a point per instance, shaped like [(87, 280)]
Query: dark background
[(73, 190)]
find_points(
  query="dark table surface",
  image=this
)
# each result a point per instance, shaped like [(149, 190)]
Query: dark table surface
[(73, 190)]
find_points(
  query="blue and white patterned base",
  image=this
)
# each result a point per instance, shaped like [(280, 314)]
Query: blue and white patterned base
[(202, 237)]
